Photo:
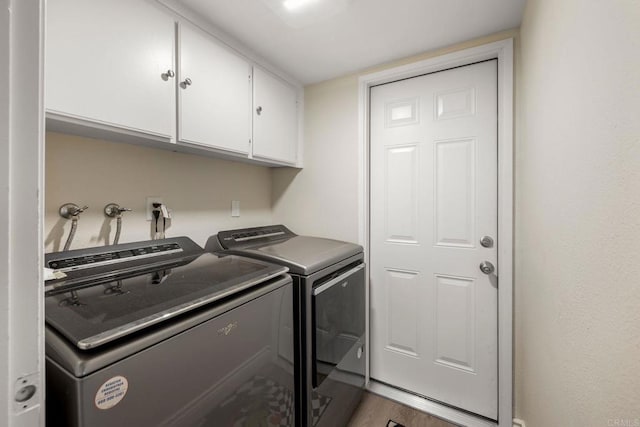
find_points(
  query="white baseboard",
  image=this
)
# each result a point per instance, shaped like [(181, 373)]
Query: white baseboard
[(518, 423), (439, 410)]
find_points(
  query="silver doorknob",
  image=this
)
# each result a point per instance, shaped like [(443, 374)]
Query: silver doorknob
[(486, 267), (486, 242), (186, 82)]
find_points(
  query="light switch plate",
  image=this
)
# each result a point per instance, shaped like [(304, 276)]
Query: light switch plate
[(235, 208)]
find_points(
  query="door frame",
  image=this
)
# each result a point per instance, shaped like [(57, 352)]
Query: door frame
[(502, 51), (21, 211)]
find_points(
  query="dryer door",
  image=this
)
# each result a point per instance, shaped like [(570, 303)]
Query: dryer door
[(338, 327)]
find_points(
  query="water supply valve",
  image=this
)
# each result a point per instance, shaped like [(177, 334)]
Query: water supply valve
[(113, 210)]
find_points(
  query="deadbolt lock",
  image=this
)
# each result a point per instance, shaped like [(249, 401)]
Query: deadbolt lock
[(486, 242)]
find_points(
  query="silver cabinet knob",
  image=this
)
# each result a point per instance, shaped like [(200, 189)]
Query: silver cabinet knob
[(168, 74), (259, 110), (186, 82), (486, 242), (486, 267)]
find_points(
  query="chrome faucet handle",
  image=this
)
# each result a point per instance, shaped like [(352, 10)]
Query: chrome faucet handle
[(113, 210), (80, 210), (71, 210)]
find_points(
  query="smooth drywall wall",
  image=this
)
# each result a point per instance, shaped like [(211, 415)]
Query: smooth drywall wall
[(198, 190), (322, 198), (578, 214)]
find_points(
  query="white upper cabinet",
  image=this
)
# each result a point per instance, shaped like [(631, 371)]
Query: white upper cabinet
[(214, 93), (110, 63), (275, 119), (132, 71)]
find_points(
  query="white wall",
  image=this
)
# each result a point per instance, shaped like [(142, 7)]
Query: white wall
[(578, 214), (198, 189), (321, 199)]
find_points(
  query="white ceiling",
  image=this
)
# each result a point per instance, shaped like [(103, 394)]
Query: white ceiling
[(331, 38)]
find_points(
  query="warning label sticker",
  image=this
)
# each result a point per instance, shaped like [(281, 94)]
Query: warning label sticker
[(111, 392)]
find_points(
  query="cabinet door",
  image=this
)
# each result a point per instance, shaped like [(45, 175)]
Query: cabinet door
[(275, 130), (214, 94), (107, 62)]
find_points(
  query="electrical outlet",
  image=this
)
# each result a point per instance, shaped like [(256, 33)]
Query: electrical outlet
[(149, 204)]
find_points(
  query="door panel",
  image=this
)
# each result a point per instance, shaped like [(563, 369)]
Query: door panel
[(433, 197), (400, 191), (455, 193), (402, 291), (455, 332)]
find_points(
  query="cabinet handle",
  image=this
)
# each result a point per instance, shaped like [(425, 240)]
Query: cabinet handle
[(331, 283), (186, 82), (168, 74), (259, 110)]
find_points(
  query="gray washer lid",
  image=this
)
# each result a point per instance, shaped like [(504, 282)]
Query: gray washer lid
[(302, 254)]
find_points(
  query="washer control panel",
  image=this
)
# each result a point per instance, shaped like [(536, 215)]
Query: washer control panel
[(94, 260)]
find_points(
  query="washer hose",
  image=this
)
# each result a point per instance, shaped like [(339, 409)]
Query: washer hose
[(72, 232), (116, 239)]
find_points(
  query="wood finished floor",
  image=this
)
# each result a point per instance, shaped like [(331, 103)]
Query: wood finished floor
[(376, 411)]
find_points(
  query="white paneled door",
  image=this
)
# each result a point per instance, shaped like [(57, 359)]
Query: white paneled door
[(433, 200)]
